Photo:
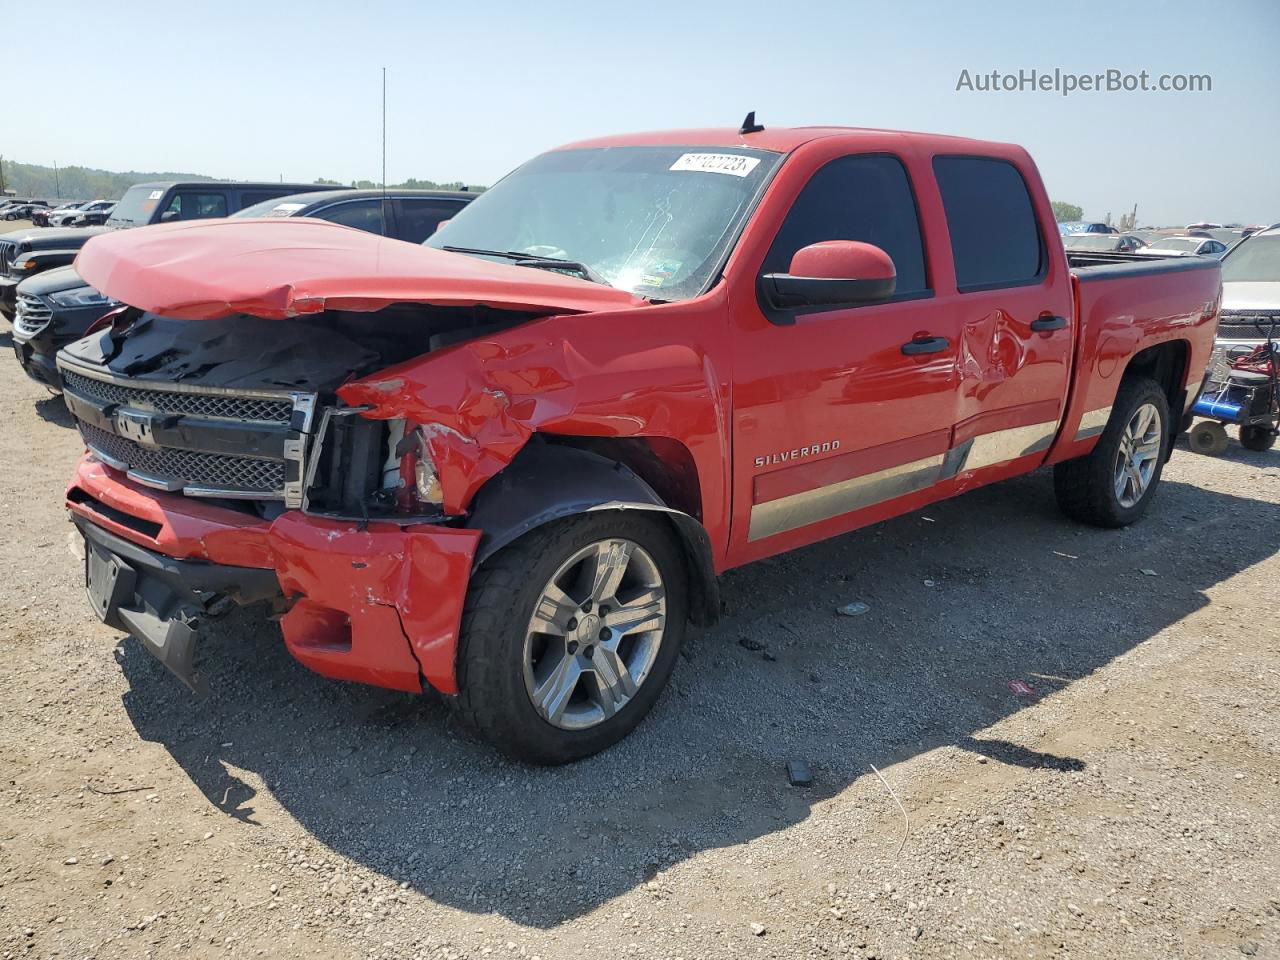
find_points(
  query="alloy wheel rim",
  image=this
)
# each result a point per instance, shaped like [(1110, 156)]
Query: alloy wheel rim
[(594, 634), (1138, 456)]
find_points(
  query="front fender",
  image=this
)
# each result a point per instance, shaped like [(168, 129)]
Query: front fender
[(547, 482)]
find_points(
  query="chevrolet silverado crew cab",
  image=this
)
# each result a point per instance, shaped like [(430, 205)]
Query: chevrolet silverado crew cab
[(24, 254), (509, 465)]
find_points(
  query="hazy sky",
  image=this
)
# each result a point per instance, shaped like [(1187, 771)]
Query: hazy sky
[(260, 90)]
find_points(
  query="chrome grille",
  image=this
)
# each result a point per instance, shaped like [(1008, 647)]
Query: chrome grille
[(32, 315), (214, 405), (8, 250), (240, 475), (1253, 321), (200, 466)]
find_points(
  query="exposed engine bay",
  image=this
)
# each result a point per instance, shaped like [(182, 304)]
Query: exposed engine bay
[(243, 410)]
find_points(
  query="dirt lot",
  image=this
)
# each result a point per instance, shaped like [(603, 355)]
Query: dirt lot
[(1126, 807)]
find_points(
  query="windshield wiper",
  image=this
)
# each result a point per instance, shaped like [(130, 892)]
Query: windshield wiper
[(536, 261)]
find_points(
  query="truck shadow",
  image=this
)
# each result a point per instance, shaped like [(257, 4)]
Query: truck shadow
[(963, 598)]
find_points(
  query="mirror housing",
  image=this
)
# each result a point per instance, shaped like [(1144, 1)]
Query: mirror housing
[(832, 274), (169, 216)]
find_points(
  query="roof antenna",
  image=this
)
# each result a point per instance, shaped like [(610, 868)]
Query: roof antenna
[(383, 211), (749, 124)]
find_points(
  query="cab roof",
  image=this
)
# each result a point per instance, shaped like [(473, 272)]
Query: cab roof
[(773, 139)]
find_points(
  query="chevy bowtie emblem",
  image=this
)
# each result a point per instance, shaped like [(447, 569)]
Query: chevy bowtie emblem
[(136, 426)]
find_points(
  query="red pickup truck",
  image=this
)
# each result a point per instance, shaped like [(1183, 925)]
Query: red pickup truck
[(510, 464)]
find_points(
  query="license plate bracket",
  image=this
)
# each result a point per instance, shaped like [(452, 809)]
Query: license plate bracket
[(108, 580)]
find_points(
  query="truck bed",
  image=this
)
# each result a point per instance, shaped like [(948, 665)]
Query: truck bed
[(1127, 303)]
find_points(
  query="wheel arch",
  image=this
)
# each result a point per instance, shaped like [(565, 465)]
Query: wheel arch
[(1166, 364), (549, 481)]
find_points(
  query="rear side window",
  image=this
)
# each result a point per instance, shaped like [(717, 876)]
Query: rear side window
[(249, 197), (995, 238), (420, 217), (866, 197), (198, 206)]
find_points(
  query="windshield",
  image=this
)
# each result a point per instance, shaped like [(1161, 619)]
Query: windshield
[(1177, 243), (275, 207), (655, 221), (1256, 259), (1092, 241), (136, 206)]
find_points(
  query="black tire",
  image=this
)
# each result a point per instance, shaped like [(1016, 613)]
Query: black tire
[(1085, 487), (1257, 437), (1208, 437), (493, 697)]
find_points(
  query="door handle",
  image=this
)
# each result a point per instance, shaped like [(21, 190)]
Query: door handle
[(914, 348), (1047, 321)]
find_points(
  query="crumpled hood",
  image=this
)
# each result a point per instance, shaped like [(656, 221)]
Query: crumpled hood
[(274, 268)]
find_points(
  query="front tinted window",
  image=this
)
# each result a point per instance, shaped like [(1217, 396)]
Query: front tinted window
[(656, 221), (866, 198), (995, 239), (420, 217), (362, 214)]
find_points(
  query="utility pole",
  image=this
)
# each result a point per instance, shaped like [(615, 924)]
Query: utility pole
[(57, 184), (2, 183)]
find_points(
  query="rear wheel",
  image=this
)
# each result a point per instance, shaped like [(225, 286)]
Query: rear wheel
[(1208, 437), (1113, 485), (570, 634), (1257, 437)]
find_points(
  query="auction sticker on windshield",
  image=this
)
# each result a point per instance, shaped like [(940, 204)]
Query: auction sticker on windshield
[(730, 163)]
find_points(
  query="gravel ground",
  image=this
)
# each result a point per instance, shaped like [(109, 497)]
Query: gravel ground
[(1125, 806)]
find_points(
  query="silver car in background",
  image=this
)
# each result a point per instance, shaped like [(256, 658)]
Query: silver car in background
[(1250, 295)]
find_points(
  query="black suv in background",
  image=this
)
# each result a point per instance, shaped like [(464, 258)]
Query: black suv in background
[(26, 253), (57, 307), (410, 215)]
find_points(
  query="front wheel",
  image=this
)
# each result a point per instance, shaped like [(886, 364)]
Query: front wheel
[(570, 634), (1113, 485)]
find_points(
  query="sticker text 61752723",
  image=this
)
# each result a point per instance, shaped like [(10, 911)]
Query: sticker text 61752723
[(735, 165)]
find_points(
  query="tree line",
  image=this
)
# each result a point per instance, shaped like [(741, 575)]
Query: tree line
[(87, 183)]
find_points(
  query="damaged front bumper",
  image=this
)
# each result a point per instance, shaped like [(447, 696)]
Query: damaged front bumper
[(374, 603), (162, 601)]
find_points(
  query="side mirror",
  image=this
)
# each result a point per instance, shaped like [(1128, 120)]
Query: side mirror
[(169, 216), (833, 273)]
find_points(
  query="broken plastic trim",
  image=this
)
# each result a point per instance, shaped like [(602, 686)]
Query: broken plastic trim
[(319, 438)]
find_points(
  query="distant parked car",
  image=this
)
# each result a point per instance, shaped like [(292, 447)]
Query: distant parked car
[(1084, 226), (1203, 225), (93, 214), (56, 307), (1103, 242), (67, 216), (22, 211), (44, 216), (1187, 247)]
